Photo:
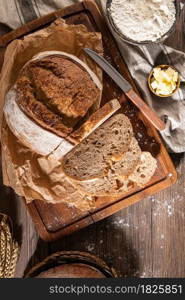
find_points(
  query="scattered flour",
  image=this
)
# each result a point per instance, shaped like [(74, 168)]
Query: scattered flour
[(170, 210), (120, 223), (90, 247), (152, 198), (172, 206), (142, 20), (143, 275)]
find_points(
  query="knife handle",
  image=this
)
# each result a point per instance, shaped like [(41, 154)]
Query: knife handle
[(146, 110)]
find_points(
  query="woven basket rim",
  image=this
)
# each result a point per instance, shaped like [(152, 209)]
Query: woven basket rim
[(87, 258)]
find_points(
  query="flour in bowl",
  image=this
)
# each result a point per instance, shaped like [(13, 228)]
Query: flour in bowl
[(143, 20)]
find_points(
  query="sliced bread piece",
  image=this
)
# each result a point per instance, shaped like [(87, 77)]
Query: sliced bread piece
[(105, 186), (128, 161), (144, 170), (90, 159), (115, 185), (113, 137)]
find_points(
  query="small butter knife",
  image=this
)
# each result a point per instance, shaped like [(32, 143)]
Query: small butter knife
[(127, 89)]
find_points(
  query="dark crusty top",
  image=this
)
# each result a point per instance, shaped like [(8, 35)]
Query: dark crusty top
[(56, 92)]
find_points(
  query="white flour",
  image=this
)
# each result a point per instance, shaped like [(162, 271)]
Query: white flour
[(142, 20)]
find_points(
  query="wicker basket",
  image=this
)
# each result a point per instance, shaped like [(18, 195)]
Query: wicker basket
[(9, 249), (62, 259)]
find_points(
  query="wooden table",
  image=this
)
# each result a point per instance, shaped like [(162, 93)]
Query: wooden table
[(144, 240)]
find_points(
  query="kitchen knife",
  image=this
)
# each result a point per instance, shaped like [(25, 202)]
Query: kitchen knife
[(127, 89)]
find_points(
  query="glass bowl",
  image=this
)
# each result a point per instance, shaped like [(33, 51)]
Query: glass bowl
[(130, 41)]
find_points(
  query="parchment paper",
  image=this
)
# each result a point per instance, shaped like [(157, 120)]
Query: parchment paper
[(29, 174)]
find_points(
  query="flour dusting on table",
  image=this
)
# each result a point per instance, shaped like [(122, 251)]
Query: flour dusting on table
[(142, 20), (90, 247)]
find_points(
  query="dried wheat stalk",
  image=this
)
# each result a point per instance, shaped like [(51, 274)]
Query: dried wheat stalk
[(9, 249)]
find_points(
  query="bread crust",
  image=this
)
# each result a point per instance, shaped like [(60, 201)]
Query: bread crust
[(95, 120), (27, 131)]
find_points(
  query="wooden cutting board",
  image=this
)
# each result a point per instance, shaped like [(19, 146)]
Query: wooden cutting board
[(55, 221)]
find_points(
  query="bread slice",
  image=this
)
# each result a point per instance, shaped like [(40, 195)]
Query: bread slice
[(90, 159), (115, 185), (128, 161), (109, 162), (109, 185), (144, 170)]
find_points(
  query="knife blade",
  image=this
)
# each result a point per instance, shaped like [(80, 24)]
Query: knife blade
[(127, 89)]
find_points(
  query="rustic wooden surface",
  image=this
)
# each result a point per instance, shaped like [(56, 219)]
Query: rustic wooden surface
[(55, 221), (144, 240)]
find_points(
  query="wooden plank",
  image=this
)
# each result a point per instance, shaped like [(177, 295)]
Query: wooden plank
[(50, 235), (129, 240)]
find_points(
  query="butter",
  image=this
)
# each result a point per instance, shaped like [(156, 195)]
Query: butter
[(164, 81)]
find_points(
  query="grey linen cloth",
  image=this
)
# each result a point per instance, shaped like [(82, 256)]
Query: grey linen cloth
[(140, 60)]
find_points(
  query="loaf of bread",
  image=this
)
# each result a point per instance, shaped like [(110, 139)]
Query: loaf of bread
[(53, 93), (56, 90), (38, 138), (110, 161)]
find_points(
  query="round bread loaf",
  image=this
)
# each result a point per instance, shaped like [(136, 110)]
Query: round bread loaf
[(75, 270), (56, 90)]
